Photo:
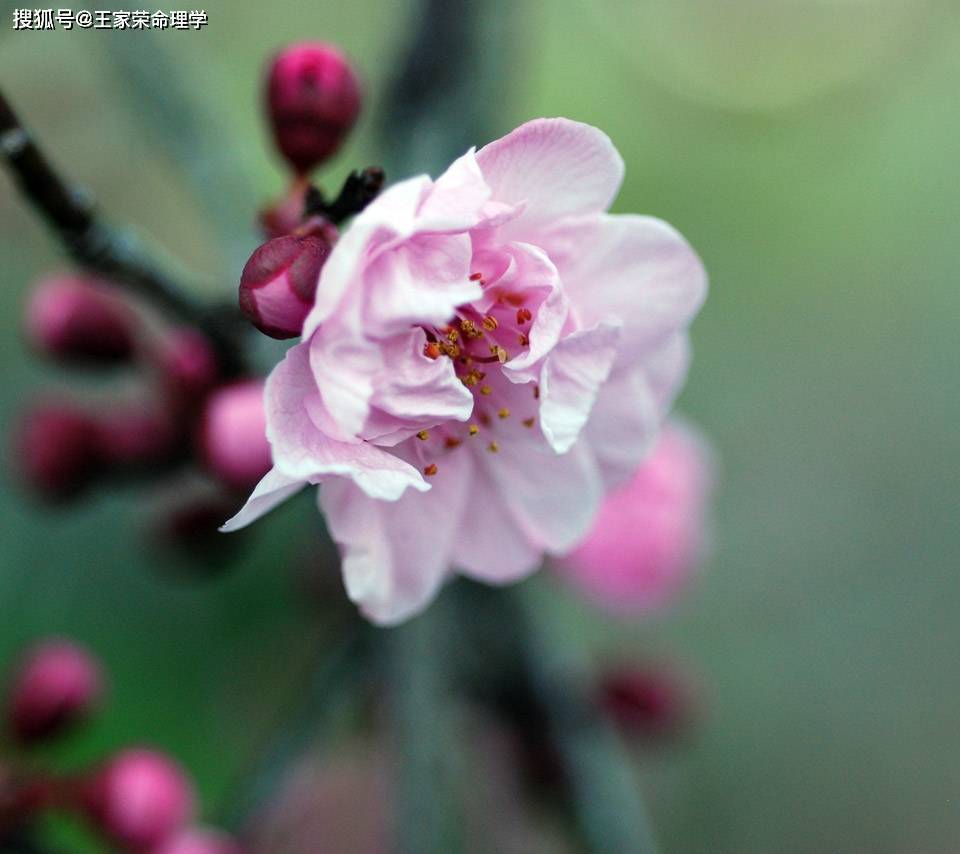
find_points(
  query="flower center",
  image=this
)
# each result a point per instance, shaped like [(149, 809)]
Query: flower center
[(478, 342)]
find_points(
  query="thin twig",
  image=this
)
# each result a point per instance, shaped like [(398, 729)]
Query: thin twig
[(99, 247)]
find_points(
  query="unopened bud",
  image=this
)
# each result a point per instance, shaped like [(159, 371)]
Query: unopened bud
[(279, 282), (57, 450), (57, 684), (313, 100), (74, 319), (130, 437), (646, 701), (232, 438), (286, 214), (139, 799), (188, 365)]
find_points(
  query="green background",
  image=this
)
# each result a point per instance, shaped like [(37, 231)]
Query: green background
[(809, 151)]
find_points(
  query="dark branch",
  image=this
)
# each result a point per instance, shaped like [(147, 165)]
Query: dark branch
[(97, 246)]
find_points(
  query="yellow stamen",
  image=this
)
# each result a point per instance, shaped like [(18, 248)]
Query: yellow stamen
[(493, 447), (423, 435), (474, 429), (490, 322), (504, 412), (486, 390), (529, 422), (430, 470)]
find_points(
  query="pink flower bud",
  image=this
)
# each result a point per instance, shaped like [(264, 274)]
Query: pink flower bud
[(57, 450), (232, 438), (285, 215), (279, 281), (139, 799), (76, 319), (133, 436), (198, 841), (57, 684), (646, 702), (648, 537), (313, 99), (187, 364)]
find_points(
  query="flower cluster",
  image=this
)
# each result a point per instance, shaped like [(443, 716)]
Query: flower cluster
[(138, 799)]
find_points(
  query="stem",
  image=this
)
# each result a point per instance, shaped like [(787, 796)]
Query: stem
[(328, 690), (428, 809), (601, 779), (97, 246)]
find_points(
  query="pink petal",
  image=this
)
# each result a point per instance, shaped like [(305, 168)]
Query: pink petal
[(556, 168), (396, 556), (388, 221), (553, 497), (572, 376), (491, 547), (302, 451), (637, 269), (274, 488)]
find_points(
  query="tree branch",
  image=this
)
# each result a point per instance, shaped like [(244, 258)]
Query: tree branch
[(99, 247)]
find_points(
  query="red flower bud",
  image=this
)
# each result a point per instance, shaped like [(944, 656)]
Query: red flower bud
[(188, 365), (57, 450), (313, 99), (198, 841), (646, 701), (134, 437), (73, 319), (232, 439), (139, 799), (279, 281), (57, 684)]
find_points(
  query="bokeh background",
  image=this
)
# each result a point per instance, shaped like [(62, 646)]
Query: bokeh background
[(809, 150)]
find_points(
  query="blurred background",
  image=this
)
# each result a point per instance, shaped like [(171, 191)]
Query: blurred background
[(809, 151)]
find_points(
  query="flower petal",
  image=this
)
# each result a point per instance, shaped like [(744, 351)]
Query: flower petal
[(274, 488), (302, 451), (556, 167), (635, 268), (396, 556), (572, 376), (553, 497)]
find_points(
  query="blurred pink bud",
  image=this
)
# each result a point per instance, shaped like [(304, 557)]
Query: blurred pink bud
[(649, 535), (78, 319), (139, 799), (285, 215), (134, 437), (56, 448), (57, 684), (313, 100), (233, 434), (197, 840), (187, 363), (646, 702), (279, 281)]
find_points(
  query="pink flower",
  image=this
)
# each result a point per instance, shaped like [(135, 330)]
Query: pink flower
[(487, 355), (648, 537)]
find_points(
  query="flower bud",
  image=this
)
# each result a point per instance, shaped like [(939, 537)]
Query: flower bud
[(285, 215), (139, 799), (131, 437), (313, 99), (74, 319), (57, 450), (57, 684), (187, 364), (232, 438), (279, 281), (648, 537), (196, 840), (646, 701)]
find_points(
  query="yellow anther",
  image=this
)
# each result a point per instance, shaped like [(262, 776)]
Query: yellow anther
[(486, 390), (493, 447), (504, 412), (474, 429), (490, 322), (423, 435), (529, 422), (430, 470)]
